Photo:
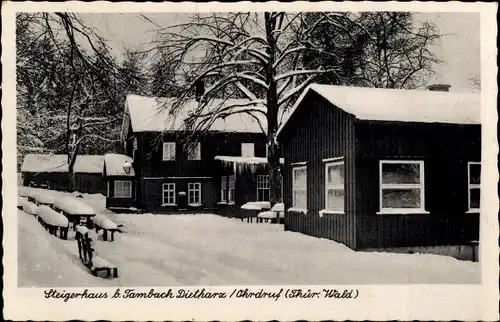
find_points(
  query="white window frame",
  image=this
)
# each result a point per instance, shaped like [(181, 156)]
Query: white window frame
[(193, 187), (170, 187), (122, 195), (471, 186), (334, 186), (107, 188), (230, 189), (223, 188), (169, 146), (195, 153), (263, 184), (244, 147), (409, 186), (297, 188)]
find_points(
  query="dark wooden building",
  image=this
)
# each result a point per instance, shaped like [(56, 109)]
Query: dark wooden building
[(121, 184), (384, 168), (171, 176), (51, 171)]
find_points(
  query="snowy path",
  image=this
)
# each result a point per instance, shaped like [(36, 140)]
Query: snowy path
[(210, 250)]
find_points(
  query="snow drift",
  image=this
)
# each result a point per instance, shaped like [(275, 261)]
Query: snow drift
[(30, 208)]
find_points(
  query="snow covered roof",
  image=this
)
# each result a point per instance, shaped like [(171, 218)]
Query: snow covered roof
[(114, 165), (381, 104), (59, 163), (152, 114)]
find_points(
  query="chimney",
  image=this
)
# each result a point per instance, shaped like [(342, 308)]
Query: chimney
[(439, 87), (199, 89)]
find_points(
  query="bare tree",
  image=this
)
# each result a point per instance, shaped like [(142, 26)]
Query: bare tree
[(258, 56), (68, 83), (397, 55)]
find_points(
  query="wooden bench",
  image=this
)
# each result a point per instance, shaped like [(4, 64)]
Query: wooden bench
[(101, 222), (74, 209), (95, 264), (53, 221)]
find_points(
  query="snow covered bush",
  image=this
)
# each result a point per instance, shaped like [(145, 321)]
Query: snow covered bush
[(73, 206), (52, 217), (104, 222)]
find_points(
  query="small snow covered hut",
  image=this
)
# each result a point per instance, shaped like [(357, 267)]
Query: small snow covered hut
[(121, 184), (51, 171), (384, 168)]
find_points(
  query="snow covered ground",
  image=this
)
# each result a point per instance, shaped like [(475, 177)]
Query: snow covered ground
[(177, 250)]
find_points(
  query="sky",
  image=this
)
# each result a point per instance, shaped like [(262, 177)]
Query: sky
[(459, 47)]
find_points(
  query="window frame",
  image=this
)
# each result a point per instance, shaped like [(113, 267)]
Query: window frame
[(163, 190), (231, 187), (403, 186), (223, 189), (197, 156), (190, 190), (294, 187), (265, 183), (253, 149), (334, 186), (115, 185), (169, 144), (472, 186)]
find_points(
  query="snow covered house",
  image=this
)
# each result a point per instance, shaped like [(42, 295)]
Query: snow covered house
[(170, 177), (51, 171), (384, 168)]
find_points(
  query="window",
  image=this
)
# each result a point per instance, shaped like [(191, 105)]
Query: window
[(123, 189), (194, 192), (168, 194), (262, 188), (334, 186), (299, 187), (474, 183), (401, 186), (232, 181), (223, 188), (168, 151), (247, 150), (195, 152)]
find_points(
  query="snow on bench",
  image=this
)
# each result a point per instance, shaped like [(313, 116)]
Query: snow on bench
[(43, 198), (253, 207), (53, 221), (266, 216), (73, 206), (102, 222), (30, 208), (21, 202), (52, 217), (24, 191), (279, 207), (256, 205), (74, 209)]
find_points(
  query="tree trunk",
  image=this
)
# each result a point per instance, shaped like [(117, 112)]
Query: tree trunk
[(71, 180), (272, 113)]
